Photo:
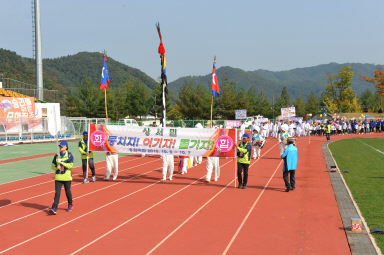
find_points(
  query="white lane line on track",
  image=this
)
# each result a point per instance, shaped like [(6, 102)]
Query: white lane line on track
[(136, 216), (1, 184), (199, 209), (250, 210), (84, 195), (99, 208), (34, 185), (54, 191), (373, 148)]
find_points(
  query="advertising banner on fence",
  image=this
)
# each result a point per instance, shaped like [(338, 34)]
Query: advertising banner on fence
[(288, 112), (16, 112), (207, 142), (241, 114)]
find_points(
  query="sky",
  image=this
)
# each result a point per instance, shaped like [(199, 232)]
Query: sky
[(250, 34)]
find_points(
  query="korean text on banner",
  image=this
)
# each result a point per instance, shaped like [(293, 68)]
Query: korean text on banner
[(207, 142), (17, 109), (288, 112)]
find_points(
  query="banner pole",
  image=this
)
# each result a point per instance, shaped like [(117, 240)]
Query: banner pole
[(86, 171), (235, 158)]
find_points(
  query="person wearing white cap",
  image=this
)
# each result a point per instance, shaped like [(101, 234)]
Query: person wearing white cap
[(283, 136), (257, 143), (168, 166)]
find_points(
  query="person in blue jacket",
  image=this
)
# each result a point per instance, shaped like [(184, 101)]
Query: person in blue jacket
[(290, 163)]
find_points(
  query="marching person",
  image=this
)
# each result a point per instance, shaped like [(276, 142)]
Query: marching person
[(290, 163), (243, 160), (197, 160), (85, 154), (168, 166), (283, 136), (112, 165), (257, 143), (213, 163), (328, 131), (62, 163)]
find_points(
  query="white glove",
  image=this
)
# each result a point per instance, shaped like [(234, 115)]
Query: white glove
[(58, 160)]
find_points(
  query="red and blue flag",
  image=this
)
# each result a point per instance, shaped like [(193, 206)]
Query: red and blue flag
[(104, 82), (215, 83)]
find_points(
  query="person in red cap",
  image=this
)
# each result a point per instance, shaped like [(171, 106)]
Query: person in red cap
[(62, 163)]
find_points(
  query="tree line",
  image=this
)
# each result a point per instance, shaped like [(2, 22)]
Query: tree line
[(193, 102)]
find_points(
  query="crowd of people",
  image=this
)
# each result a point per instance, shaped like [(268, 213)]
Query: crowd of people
[(317, 127), (250, 146)]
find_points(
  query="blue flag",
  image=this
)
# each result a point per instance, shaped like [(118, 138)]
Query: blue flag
[(104, 82)]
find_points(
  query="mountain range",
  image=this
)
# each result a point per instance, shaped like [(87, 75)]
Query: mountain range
[(68, 72), (299, 81)]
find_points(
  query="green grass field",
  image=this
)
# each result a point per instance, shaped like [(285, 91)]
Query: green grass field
[(364, 159), (32, 167)]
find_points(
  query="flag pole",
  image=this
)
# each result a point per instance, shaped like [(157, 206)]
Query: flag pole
[(211, 108), (161, 51), (106, 110), (105, 100), (214, 61)]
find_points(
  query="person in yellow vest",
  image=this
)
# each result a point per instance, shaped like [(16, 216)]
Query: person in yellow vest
[(328, 131), (83, 149), (244, 151), (62, 163)]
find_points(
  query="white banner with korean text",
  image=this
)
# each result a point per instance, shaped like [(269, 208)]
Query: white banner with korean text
[(207, 142)]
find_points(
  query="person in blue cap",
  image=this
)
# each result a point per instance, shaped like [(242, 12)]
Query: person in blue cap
[(244, 150), (62, 164), (86, 158)]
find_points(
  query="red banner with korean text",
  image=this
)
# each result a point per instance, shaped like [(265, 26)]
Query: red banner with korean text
[(16, 110), (206, 142)]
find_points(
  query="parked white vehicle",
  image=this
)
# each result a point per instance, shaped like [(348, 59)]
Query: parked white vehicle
[(129, 122)]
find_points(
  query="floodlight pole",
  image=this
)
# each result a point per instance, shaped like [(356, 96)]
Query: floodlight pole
[(39, 61)]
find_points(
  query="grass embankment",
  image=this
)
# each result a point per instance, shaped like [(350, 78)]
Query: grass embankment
[(364, 160)]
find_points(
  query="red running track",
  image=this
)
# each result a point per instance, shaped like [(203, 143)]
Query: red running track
[(139, 214), (26, 157)]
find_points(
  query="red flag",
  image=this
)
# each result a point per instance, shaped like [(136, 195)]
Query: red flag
[(215, 83)]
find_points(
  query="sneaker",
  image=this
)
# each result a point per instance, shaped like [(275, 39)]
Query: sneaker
[(106, 179), (85, 180), (240, 186), (287, 190), (215, 179), (114, 178), (244, 187), (163, 180), (52, 211), (69, 208), (93, 178)]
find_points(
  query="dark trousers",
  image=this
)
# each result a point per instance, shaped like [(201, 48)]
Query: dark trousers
[(90, 164), (291, 179), (243, 179), (67, 187), (328, 135)]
